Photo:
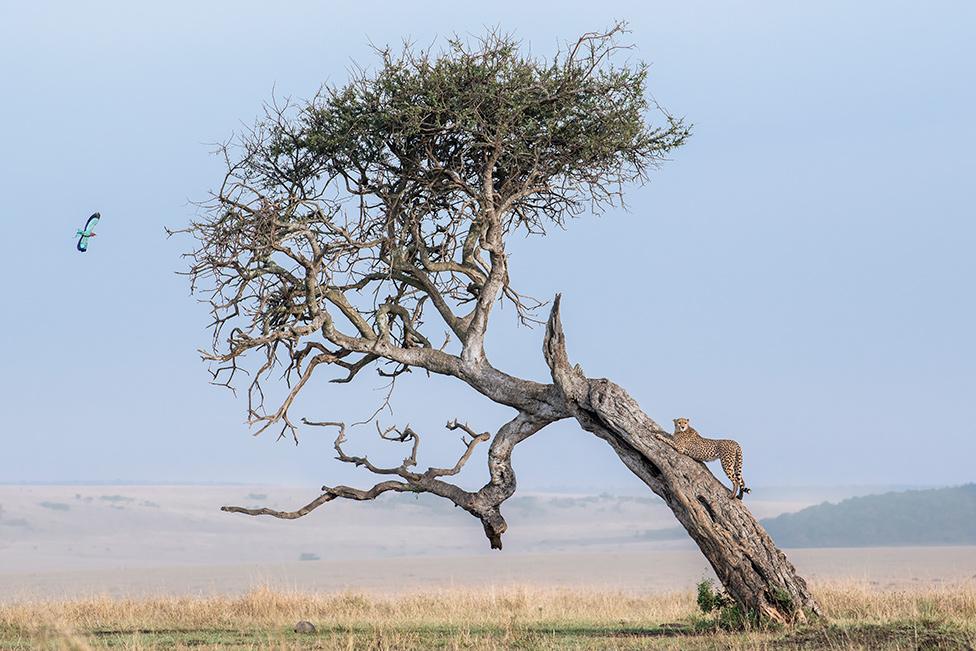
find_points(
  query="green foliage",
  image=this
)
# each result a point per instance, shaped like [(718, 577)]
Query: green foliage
[(710, 599), (551, 136), (783, 600), (735, 618), (725, 613)]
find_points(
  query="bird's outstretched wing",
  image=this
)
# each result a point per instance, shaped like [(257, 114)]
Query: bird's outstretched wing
[(85, 233), (90, 224)]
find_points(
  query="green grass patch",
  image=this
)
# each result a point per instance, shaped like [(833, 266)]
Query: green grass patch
[(904, 635)]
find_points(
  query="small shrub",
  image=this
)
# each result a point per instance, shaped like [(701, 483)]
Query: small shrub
[(727, 615), (783, 599), (734, 618), (710, 599), (56, 506), (116, 498)]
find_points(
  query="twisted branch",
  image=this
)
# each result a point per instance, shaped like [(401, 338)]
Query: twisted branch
[(484, 504)]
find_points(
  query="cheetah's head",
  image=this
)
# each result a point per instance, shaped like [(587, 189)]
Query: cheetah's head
[(680, 424)]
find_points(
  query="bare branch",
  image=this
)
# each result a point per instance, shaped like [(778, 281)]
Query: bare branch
[(469, 449), (484, 504), (328, 495)]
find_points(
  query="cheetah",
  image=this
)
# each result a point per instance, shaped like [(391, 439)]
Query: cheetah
[(688, 441)]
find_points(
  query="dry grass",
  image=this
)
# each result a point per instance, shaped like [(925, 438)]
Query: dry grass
[(264, 608), (859, 602), (861, 617)]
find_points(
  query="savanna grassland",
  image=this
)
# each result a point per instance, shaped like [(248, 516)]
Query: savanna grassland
[(859, 617)]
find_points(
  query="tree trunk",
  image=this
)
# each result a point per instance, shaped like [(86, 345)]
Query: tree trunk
[(755, 573)]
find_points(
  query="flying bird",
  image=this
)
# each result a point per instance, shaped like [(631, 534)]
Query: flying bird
[(86, 232)]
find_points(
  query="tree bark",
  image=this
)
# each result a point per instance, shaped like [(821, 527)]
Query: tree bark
[(755, 573)]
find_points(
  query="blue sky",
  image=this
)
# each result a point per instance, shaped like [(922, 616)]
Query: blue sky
[(799, 277)]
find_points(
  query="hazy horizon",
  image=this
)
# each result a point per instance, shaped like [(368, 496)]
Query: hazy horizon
[(554, 488), (799, 277)]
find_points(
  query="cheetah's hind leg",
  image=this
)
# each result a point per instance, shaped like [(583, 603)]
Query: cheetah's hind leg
[(737, 467), (728, 456), (734, 493)]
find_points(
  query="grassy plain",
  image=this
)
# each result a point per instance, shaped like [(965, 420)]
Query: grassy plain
[(859, 617)]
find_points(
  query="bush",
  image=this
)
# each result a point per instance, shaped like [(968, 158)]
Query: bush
[(728, 615), (710, 599)]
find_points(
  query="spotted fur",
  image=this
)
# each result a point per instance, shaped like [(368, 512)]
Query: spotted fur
[(688, 441)]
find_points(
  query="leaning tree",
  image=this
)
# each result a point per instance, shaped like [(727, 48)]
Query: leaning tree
[(356, 229)]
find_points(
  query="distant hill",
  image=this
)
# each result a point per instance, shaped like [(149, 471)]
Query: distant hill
[(940, 516)]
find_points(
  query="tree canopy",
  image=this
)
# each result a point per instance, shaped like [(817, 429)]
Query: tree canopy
[(342, 220)]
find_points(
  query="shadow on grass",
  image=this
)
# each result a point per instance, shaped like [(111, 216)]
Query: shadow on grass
[(904, 635), (171, 631), (662, 630), (915, 635)]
